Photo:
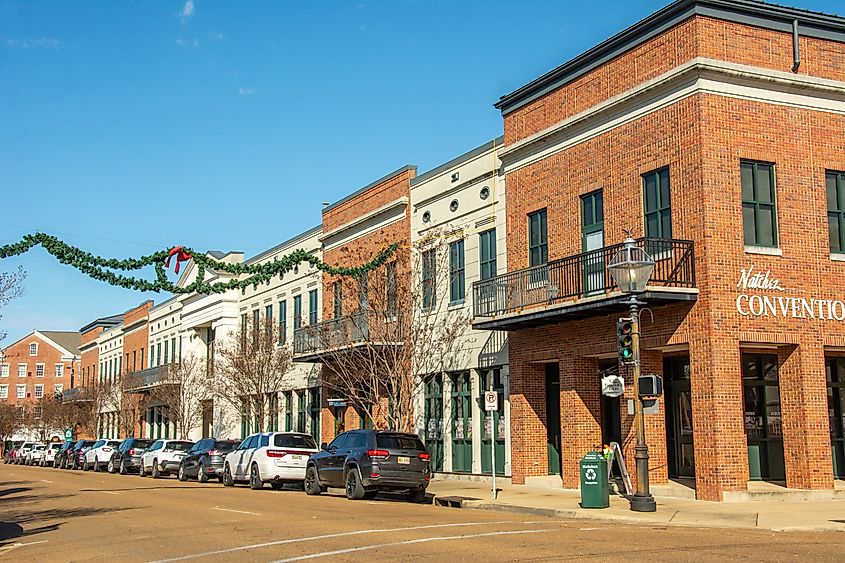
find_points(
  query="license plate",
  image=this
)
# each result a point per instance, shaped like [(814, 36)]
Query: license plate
[(297, 457), (403, 460)]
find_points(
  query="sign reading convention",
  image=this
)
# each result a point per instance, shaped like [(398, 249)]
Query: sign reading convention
[(762, 295)]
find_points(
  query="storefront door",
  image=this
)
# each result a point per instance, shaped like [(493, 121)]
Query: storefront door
[(679, 434), (461, 423), (835, 371), (763, 427), (494, 419), (434, 421), (553, 416)]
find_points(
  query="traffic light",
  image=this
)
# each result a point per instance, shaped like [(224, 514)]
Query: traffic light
[(625, 340)]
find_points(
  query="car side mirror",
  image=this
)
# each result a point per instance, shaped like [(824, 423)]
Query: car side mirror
[(324, 446)]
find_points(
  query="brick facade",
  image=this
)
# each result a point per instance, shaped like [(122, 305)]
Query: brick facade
[(52, 364)]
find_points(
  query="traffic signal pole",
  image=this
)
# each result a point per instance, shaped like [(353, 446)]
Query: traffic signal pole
[(642, 501)]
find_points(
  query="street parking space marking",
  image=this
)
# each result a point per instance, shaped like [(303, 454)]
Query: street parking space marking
[(238, 511), (45, 481), (7, 548), (407, 542), (329, 536)]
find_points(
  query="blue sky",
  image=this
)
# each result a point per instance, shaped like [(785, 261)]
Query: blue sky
[(126, 127)]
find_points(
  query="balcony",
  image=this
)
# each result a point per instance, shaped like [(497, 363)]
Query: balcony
[(76, 395), (580, 286), (363, 331), (147, 379)]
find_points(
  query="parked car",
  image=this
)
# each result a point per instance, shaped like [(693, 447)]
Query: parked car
[(127, 456), (60, 461), (205, 459), (50, 453), (35, 454), (99, 454), (20, 453), (77, 454), (365, 462), (163, 457), (9, 450), (271, 457)]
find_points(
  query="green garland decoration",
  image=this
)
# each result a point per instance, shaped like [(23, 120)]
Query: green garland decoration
[(100, 268)]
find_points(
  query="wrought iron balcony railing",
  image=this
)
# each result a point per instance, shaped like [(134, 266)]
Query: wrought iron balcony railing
[(146, 379), (76, 395), (363, 328), (580, 276)]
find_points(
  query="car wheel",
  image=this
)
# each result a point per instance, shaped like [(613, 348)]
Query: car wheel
[(85, 465), (354, 489), (202, 474), (182, 476), (110, 466), (255, 482), (141, 471), (122, 469), (312, 484), (417, 495), (96, 465), (228, 481), (156, 473), (277, 486)]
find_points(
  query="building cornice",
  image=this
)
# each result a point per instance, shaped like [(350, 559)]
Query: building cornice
[(394, 210)]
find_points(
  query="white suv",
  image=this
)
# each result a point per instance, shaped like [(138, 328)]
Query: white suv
[(99, 454), (22, 451), (50, 453), (35, 455), (271, 457), (163, 457)]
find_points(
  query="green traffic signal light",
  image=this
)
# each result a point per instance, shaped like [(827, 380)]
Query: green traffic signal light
[(625, 339)]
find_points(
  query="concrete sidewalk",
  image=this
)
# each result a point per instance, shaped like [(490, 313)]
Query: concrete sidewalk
[(809, 515)]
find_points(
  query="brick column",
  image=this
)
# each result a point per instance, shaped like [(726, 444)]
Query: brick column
[(527, 418), (803, 402), (580, 414)]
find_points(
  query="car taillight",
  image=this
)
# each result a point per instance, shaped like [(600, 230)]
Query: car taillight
[(131, 451), (425, 456), (277, 453), (214, 452), (378, 454)]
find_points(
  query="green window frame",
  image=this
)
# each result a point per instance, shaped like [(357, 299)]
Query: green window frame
[(337, 299), (759, 203), (283, 321), (314, 407), (457, 277), (312, 307), (297, 312), (538, 238), (835, 188), (487, 253), (288, 411), (657, 206), (429, 271)]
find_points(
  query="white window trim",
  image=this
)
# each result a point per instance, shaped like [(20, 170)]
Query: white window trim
[(60, 370), (24, 370), (4, 370), (43, 369), (35, 391), (18, 394), (36, 349), (4, 391)]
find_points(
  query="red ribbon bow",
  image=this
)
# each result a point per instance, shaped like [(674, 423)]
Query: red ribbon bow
[(181, 256)]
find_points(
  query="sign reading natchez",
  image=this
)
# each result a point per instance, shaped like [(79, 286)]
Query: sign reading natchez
[(755, 305)]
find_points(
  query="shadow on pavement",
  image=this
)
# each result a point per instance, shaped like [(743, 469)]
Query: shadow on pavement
[(15, 521), (107, 490), (14, 490)]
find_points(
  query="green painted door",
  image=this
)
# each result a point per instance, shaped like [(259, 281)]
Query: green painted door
[(434, 421), (461, 423), (592, 238), (835, 373), (763, 421), (553, 417), (493, 420)]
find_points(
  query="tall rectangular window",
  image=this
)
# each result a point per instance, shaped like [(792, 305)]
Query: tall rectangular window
[(337, 299), (391, 288), (288, 411), (457, 281), (60, 370), (268, 320), (256, 323), (297, 312), (429, 271), (487, 254), (363, 291), (39, 370), (759, 213), (538, 238), (39, 391), (312, 307), (166, 352), (835, 185), (158, 353), (283, 321), (4, 391), (656, 203), (4, 370), (20, 391), (173, 349), (21, 370), (142, 359)]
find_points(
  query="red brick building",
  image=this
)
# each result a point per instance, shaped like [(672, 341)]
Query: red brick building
[(714, 128)]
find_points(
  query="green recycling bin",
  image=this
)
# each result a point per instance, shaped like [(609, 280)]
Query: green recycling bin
[(595, 491)]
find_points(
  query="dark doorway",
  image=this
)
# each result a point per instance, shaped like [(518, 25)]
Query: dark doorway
[(763, 423), (679, 432), (553, 417), (611, 416), (835, 374)]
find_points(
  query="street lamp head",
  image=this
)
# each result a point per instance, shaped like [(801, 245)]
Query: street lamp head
[(631, 267)]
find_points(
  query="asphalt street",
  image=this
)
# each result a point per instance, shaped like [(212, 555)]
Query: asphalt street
[(57, 515)]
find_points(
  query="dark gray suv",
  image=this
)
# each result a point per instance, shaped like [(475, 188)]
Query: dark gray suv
[(364, 462)]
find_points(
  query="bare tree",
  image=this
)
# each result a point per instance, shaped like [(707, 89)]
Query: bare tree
[(251, 368), (396, 326), (43, 417), (10, 421), (11, 286), (181, 392)]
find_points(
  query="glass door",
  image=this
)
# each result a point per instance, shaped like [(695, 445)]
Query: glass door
[(434, 421), (491, 420), (553, 417), (592, 235), (835, 372), (461, 423), (763, 424), (679, 432)]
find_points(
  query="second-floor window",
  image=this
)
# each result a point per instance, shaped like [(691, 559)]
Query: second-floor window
[(20, 391), (457, 282), (759, 211), (268, 320), (4, 391), (656, 203), (21, 370), (835, 187), (391, 288), (429, 271), (158, 353), (60, 370), (363, 291), (297, 312), (39, 370), (312, 307), (337, 299), (39, 391), (487, 254), (4, 370), (538, 238), (283, 321)]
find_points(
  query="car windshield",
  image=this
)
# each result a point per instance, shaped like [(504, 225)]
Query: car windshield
[(142, 444), (399, 442), (179, 446), (226, 447), (294, 441), (99, 443)]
